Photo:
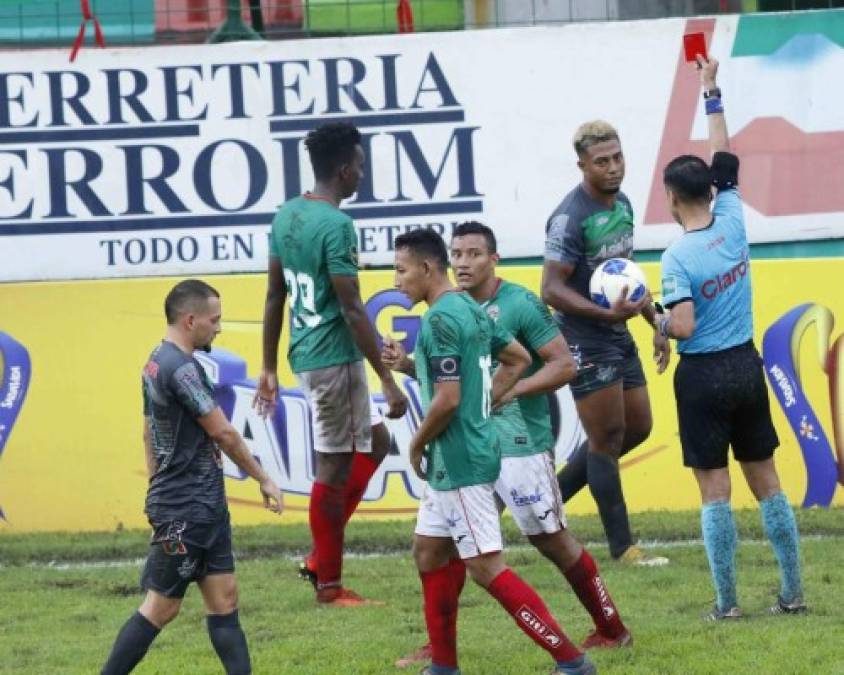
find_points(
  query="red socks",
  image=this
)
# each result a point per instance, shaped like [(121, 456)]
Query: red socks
[(363, 468), (326, 515), (458, 573), (441, 590), (531, 615), (593, 595)]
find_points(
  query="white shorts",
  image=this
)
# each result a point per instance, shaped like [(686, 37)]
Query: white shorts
[(467, 515), (528, 487), (376, 417), (338, 398)]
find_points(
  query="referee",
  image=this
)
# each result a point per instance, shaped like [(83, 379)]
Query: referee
[(721, 395)]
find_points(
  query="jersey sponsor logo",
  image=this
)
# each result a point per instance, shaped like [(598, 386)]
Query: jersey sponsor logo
[(538, 626), (493, 312), (722, 282), (620, 248)]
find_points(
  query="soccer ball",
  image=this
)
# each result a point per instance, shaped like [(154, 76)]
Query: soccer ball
[(611, 276)]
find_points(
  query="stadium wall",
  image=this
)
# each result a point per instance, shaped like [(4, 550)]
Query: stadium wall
[(171, 161), (71, 454)]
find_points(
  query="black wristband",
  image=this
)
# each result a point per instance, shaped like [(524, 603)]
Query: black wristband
[(715, 92)]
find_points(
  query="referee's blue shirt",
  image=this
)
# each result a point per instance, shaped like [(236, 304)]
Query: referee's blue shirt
[(711, 267)]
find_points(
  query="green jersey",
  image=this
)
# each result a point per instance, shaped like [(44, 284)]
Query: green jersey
[(523, 426), (314, 240), (455, 343)]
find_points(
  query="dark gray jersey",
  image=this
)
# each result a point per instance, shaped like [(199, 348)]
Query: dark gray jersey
[(584, 233), (188, 482)]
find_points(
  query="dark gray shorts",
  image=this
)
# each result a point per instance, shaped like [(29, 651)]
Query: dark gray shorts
[(722, 401), (601, 363), (182, 552)]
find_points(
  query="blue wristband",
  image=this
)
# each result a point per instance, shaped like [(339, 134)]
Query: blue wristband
[(713, 105)]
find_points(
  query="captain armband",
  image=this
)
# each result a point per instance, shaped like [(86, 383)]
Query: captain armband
[(445, 369)]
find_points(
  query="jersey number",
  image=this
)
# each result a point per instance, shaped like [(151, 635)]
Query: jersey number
[(300, 286), (485, 362)]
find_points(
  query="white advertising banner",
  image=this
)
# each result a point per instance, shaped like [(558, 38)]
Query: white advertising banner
[(173, 160)]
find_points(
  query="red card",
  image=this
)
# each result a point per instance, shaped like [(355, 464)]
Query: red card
[(694, 44)]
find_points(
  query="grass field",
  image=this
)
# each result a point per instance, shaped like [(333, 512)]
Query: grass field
[(63, 597)]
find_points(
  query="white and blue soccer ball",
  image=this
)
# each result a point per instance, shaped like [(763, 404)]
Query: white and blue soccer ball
[(611, 276)]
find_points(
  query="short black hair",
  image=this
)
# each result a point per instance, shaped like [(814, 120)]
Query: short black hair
[(474, 227), (425, 243), (330, 146), (689, 177), (185, 294)]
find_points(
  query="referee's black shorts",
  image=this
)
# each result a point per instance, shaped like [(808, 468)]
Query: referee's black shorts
[(722, 400)]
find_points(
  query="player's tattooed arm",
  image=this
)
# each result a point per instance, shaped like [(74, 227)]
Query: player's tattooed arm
[(266, 392), (149, 454), (395, 358)]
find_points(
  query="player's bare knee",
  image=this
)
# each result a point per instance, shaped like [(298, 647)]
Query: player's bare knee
[(430, 553), (333, 469), (637, 432), (160, 610), (762, 478), (485, 567), (608, 440), (714, 485)]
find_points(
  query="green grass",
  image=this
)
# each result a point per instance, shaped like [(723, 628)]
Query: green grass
[(379, 16), (57, 620)]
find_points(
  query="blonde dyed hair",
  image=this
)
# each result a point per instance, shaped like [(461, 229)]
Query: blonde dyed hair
[(592, 133)]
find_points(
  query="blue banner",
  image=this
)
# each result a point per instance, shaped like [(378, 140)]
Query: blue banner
[(781, 353), (16, 371)]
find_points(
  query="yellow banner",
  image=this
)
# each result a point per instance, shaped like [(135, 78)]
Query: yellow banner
[(73, 458)]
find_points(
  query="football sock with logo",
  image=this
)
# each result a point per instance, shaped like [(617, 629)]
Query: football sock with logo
[(440, 593), (131, 644), (720, 540), (229, 642), (781, 528), (572, 477), (531, 615), (593, 595), (363, 468), (326, 514), (605, 486)]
